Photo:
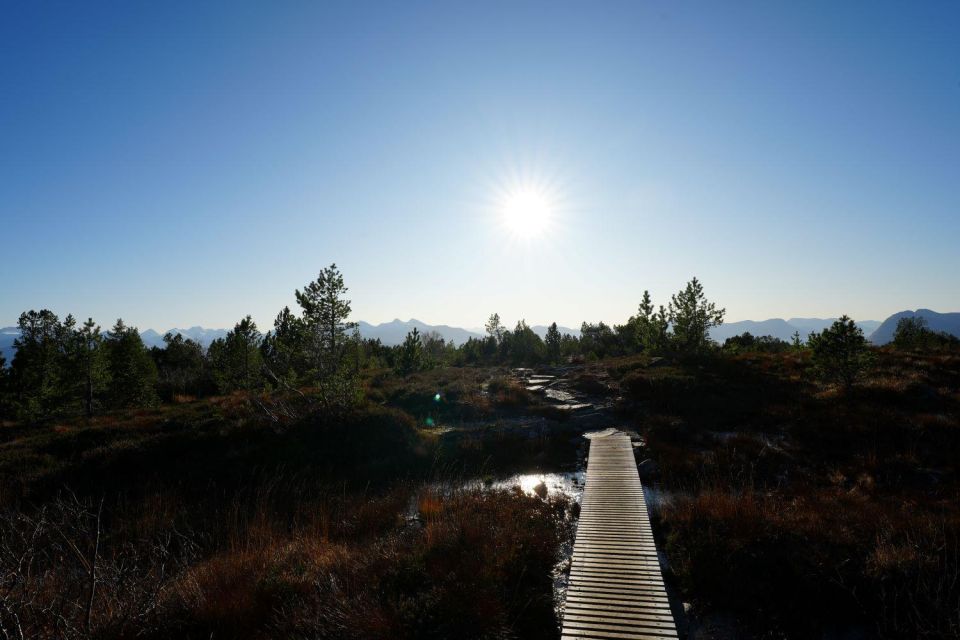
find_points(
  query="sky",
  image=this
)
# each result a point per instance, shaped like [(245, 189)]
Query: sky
[(184, 163)]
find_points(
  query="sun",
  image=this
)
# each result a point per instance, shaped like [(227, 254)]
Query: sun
[(526, 211)]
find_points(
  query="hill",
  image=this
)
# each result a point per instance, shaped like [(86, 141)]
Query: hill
[(393, 332), (541, 330), (7, 336), (782, 329), (946, 322)]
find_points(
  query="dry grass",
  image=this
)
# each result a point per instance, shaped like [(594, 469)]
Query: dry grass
[(217, 523), (470, 564), (800, 509)]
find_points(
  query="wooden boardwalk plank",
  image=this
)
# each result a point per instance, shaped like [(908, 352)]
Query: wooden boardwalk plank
[(616, 589)]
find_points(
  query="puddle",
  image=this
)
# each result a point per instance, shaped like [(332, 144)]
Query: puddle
[(569, 484), (546, 485)]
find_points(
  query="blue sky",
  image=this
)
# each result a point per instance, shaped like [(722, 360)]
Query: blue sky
[(189, 163)]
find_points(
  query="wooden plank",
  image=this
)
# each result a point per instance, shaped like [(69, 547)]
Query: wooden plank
[(616, 588)]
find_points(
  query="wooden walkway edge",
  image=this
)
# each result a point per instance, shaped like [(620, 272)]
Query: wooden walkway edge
[(615, 590)]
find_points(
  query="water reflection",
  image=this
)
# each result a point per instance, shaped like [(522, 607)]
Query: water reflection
[(569, 484)]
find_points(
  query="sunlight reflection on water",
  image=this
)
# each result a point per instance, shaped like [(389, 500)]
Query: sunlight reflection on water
[(569, 484)]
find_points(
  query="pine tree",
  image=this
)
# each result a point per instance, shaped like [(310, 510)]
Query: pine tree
[(325, 313), (692, 316), (181, 367), (494, 329), (247, 344), (597, 340), (553, 342), (410, 358), (796, 342), (285, 348), (522, 345), (840, 352), (36, 364), (87, 364), (133, 373), (327, 333), (236, 357), (651, 326)]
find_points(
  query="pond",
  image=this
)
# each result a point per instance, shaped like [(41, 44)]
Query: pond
[(569, 484)]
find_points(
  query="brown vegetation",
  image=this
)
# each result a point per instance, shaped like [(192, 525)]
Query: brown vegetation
[(463, 564), (209, 519), (803, 509)]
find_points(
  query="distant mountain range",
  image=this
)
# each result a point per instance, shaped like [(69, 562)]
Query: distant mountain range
[(7, 336), (946, 322), (392, 333), (541, 330), (204, 336), (783, 329)]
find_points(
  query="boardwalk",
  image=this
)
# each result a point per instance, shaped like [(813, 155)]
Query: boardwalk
[(616, 590)]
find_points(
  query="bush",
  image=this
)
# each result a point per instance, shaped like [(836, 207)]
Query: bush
[(747, 342), (840, 352), (912, 333)]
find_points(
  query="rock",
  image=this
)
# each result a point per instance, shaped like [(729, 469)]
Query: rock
[(541, 490), (559, 396)]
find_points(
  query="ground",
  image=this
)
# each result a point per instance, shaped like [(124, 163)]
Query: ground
[(785, 507)]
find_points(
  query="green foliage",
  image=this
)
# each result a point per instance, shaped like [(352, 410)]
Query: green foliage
[(522, 345), (411, 357), (327, 335), (840, 352), (325, 313), (58, 367), (912, 333), (598, 340), (236, 358), (494, 328), (133, 374), (61, 368), (692, 316), (182, 368), (86, 364), (36, 368), (284, 349), (553, 343), (436, 351), (479, 351), (650, 327), (747, 342), (796, 342)]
